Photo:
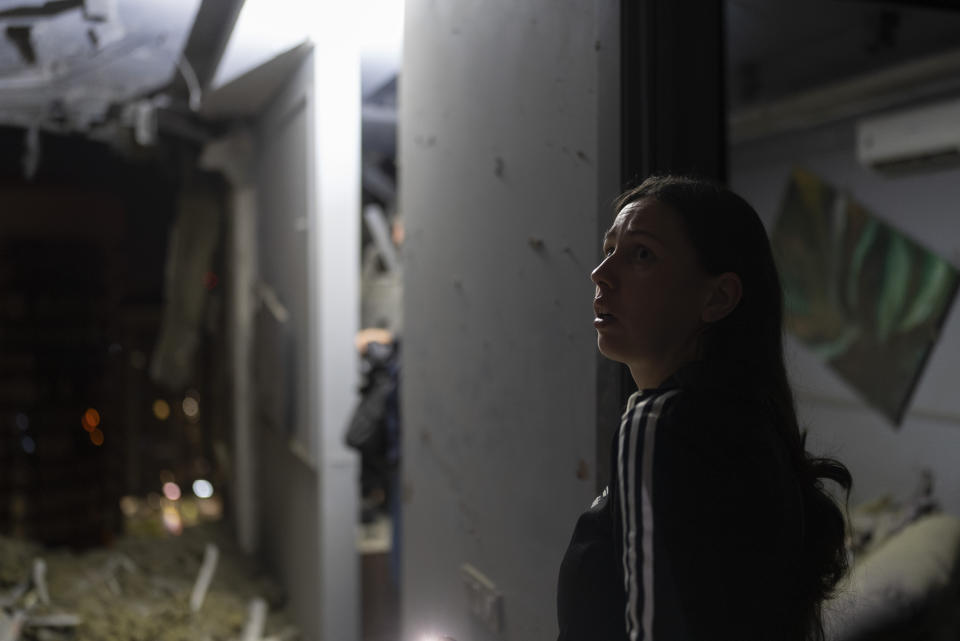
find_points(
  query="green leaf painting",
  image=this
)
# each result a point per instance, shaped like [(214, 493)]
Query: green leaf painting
[(864, 297)]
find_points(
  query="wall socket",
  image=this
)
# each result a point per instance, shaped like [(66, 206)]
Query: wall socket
[(485, 602)]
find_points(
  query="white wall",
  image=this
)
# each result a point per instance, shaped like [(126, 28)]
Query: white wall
[(335, 280), (305, 364), (503, 114), (288, 484), (882, 458)]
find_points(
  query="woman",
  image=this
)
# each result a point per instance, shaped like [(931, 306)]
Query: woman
[(715, 523)]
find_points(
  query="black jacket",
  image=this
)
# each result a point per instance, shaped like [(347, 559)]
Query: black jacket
[(697, 534)]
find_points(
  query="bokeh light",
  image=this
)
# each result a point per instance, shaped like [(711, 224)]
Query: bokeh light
[(191, 407), (28, 445), (202, 488), (172, 522), (96, 437), (90, 419), (129, 505), (161, 409), (171, 491)]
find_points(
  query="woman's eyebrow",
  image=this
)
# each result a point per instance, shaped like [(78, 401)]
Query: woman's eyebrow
[(630, 231), (633, 231)]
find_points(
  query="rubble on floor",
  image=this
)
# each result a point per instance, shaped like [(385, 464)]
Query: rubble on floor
[(140, 589)]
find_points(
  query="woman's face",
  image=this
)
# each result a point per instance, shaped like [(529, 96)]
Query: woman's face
[(650, 292)]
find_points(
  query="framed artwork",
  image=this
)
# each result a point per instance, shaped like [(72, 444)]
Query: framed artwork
[(863, 296)]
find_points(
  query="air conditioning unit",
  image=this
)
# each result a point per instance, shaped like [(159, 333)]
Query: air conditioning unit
[(912, 139)]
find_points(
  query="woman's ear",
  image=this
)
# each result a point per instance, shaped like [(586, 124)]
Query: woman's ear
[(724, 297)]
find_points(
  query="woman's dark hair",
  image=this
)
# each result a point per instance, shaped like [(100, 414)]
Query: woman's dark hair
[(728, 236)]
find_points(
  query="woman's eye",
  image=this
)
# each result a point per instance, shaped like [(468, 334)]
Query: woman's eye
[(641, 253), (607, 251)]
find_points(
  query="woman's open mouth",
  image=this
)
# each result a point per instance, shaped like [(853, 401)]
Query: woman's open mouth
[(602, 320)]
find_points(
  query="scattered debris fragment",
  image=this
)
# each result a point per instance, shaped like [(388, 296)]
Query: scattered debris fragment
[(210, 556), (40, 580), (253, 631)]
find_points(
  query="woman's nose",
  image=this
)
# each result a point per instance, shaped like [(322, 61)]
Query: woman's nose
[(599, 275)]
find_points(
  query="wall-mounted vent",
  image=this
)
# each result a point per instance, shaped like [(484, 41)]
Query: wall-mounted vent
[(917, 139)]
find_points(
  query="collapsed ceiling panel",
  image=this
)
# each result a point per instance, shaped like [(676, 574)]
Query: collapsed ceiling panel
[(64, 63)]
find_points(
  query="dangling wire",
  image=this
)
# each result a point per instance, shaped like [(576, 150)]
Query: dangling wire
[(193, 84)]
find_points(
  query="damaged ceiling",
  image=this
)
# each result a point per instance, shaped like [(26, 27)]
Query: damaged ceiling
[(66, 65), (125, 71)]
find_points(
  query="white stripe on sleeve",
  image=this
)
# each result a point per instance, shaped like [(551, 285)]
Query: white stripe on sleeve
[(629, 511), (622, 478)]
